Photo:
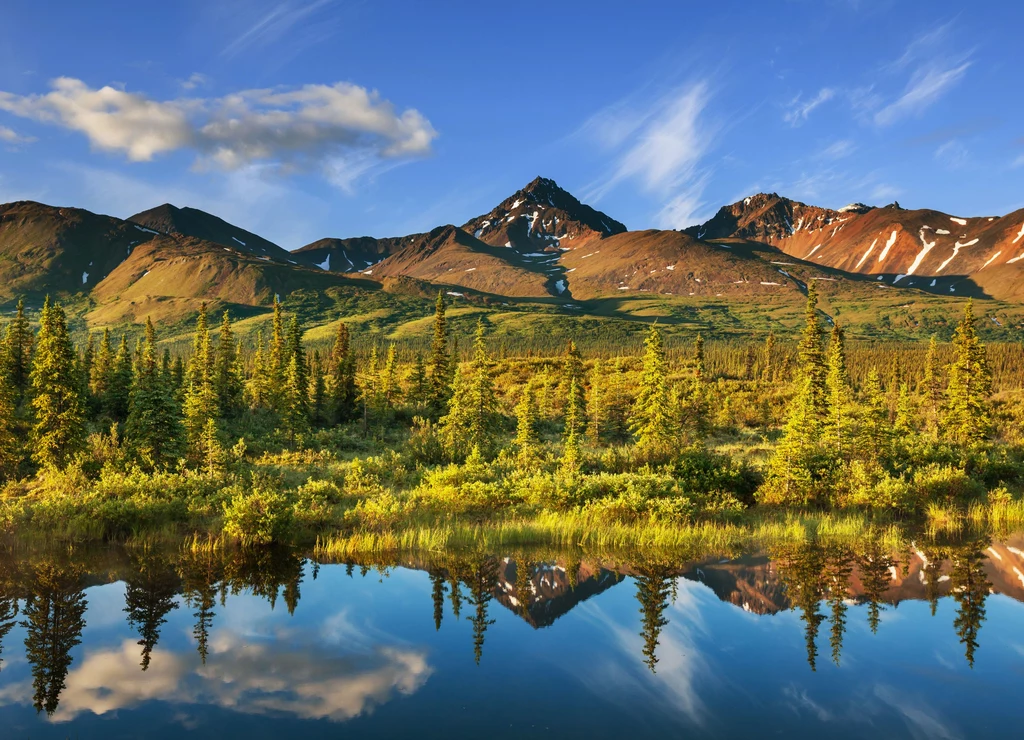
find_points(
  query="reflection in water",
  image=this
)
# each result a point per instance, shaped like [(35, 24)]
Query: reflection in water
[(54, 620), (338, 671)]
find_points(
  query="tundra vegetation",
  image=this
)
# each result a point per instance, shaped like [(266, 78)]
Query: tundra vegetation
[(265, 439)]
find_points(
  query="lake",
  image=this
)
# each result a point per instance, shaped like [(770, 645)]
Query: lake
[(800, 642)]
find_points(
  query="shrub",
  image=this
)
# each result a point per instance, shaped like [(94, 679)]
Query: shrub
[(379, 513), (257, 518)]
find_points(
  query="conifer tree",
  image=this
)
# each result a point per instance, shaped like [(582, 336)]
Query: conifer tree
[(258, 386), (469, 423), (154, 426), (212, 451), (931, 388), (767, 368), (597, 404), (318, 392), (574, 377), (343, 377), (228, 381), (967, 416), (571, 453), (85, 368), (102, 370), (875, 432), (904, 424), (652, 415), (838, 432), (527, 440), (278, 365), (120, 384), (18, 343), (295, 413), (9, 447), (390, 390), (811, 355), (418, 382), (794, 470), (441, 364), (699, 368), (483, 403), (59, 431), (200, 395)]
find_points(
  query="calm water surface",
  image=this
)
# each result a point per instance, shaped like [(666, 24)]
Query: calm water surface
[(804, 642)]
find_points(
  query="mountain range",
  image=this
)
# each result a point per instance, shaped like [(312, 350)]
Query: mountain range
[(540, 245)]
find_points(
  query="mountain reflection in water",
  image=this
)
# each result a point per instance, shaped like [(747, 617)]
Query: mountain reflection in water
[(103, 632)]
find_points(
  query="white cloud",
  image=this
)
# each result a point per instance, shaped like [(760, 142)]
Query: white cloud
[(9, 136), (254, 679), (953, 155), (838, 149), (934, 71), (292, 129), (196, 79), (1018, 162), (661, 147), (926, 86), (801, 109), (280, 20)]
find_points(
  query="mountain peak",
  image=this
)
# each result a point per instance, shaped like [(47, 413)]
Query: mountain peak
[(538, 217), (170, 219)]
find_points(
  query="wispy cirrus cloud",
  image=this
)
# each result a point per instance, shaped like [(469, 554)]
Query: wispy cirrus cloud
[(291, 129), (953, 155), (660, 145), (800, 109), (838, 150), (275, 23), (934, 71)]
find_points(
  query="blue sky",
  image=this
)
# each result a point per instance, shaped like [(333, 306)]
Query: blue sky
[(313, 118)]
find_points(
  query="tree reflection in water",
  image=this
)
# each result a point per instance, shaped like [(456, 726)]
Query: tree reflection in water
[(820, 583)]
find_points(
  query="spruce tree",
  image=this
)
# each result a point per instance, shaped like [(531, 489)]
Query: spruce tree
[(18, 342), (875, 431), (153, 428), (200, 403), (102, 370), (317, 392), (10, 456), (652, 415), (278, 365), (794, 471), (295, 403), (838, 432), (904, 424), (228, 381), (967, 416), (767, 366), (527, 440), (483, 402), (699, 368), (390, 389), (59, 431), (441, 364), (571, 453), (811, 355), (343, 377), (120, 384), (574, 386), (418, 382), (931, 388), (257, 388)]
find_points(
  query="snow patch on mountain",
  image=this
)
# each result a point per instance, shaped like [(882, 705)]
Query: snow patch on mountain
[(888, 246), (326, 264), (867, 253)]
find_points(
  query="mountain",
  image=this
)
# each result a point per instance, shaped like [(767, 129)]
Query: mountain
[(127, 271), (541, 242), (46, 249), (168, 219), (924, 249), (542, 216)]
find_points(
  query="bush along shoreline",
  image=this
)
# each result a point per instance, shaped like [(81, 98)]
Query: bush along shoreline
[(270, 443)]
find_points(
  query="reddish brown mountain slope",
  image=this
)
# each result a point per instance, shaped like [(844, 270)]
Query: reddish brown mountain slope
[(921, 248)]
